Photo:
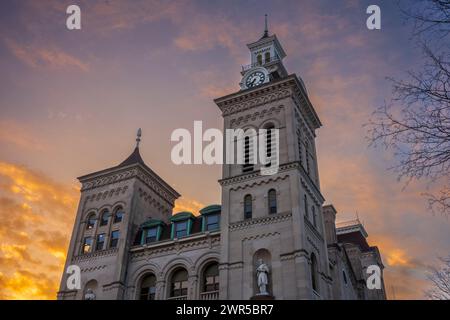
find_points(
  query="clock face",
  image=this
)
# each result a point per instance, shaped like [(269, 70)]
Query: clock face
[(255, 79)]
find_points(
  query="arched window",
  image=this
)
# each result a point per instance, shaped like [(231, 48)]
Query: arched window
[(269, 143), (105, 218), (90, 221), (118, 215), (211, 278), (148, 287), (248, 163), (179, 283), (248, 207), (267, 57), (314, 273), (272, 196), (259, 59)]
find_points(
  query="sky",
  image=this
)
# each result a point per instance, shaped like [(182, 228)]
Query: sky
[(71, 102)]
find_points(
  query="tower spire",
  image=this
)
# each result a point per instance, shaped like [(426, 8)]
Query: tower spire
[(138, 137), (266, 29)]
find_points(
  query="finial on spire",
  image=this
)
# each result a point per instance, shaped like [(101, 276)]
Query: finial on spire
[(138, 137), (266, 29)]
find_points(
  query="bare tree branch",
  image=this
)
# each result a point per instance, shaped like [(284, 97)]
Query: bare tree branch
[(440, 279), (415, 124)]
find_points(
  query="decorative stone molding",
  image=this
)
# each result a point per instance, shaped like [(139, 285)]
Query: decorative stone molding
[(294, 255), (264, 96), (260, 236), (231, 266), (136, 171), (175, 246), (258, 114), (93, 268), (109, 193), (113, 177), (95, 255), (260, 182), (246, 224)]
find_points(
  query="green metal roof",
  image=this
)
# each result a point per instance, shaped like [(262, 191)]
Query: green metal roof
[(213, 208), (183, 215), (151, 223)]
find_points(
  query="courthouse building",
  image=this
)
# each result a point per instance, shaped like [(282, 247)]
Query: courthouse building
[(129, 244)]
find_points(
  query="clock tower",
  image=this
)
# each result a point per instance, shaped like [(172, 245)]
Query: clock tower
[(273, 219), (266, 56)]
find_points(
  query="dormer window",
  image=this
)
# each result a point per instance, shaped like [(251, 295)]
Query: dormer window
[(151, 231), (211, 217), (181, 224)]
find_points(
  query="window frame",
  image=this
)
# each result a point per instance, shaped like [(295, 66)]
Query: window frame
[(102, 242), (122, 213), (272, 200), (83, 247), (116, 243), (208, 224), (156, 236), (176, 224), (248, 204), (90, 221), (102, 220), (150, 294), (183, 284)]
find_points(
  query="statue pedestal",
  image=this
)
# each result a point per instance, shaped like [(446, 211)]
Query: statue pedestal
[(262, 297)]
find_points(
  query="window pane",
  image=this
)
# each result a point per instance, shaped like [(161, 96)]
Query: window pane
[(114, 239), (180, 229), (247, 207), (179, 284), (211, 278), (151, 235), (91, 222), (272, 201), (118, 216), (100, 242), (212, 222), (105, 218), (87, 245)]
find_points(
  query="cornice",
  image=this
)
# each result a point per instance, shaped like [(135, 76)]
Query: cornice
[(95, 255), (250, 223), (133, 171)]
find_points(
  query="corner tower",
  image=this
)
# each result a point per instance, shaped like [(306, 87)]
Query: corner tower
[(113, 204), (278, 217)]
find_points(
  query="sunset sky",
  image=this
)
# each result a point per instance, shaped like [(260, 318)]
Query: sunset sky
[(71, 101)]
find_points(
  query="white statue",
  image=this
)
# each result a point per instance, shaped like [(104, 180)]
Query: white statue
[(262, 277), (89, 295)]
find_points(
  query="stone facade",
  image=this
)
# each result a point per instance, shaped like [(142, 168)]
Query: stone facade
[(129, 245)]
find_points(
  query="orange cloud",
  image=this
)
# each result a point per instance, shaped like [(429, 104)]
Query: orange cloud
[(37, 215), (42, 57), (184, 204)]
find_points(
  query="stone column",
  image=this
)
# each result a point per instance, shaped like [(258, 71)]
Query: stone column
[(192, 287)]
